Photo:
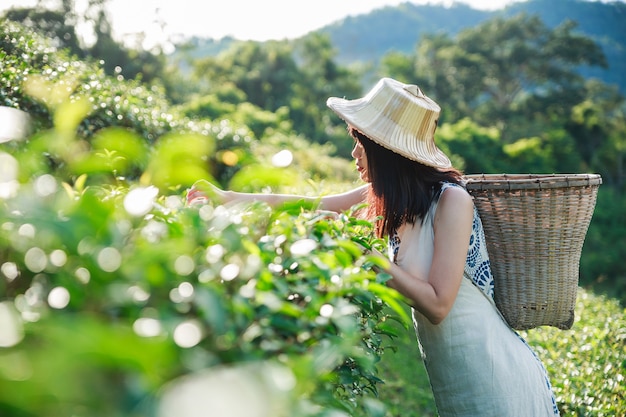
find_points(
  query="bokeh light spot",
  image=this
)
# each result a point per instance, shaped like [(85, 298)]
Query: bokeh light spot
[(139, 202), (83, 275), (59, 298), (187, 334), (242, 390), (229, 272), (11, 331), (185, 289), (147, 327), (303, 247), (214, 253), (326, 310), (8, 176), (26, 230), (9, 270), (230, 158), (154, 231), (109, 259), (184, 265), (35, 259), (138, 294), (58, 258), (282, 159), (45, 185)]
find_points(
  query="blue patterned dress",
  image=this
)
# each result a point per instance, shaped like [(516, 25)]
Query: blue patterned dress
[(477, 365)]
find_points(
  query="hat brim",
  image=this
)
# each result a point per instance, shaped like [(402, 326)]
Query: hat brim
[(371, 116)]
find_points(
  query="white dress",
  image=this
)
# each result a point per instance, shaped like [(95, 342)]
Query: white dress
[(477, 365)]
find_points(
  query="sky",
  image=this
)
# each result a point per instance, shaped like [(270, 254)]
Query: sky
[(261, 20), (243, 19)]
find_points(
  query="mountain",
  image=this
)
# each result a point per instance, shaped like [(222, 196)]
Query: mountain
[(367, 37)]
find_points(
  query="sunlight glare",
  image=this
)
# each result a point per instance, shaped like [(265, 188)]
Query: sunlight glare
[(282, 159), (139, 201), (242, 390), (303, 247)]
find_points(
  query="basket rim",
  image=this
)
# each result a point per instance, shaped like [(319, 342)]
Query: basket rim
[(529, 181)]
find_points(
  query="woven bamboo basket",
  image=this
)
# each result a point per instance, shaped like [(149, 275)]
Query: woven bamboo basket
[(535, 226)]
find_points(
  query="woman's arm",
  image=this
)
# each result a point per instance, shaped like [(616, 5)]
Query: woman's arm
[(334, 202), (434, 296)]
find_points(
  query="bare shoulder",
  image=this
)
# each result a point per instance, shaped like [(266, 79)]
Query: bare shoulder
[(455, 200), (456, 195)]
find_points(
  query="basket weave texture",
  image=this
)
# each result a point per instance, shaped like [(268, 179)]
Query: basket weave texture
[(535, 226)]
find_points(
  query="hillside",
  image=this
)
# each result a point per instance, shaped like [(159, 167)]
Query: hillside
[(367, 37)]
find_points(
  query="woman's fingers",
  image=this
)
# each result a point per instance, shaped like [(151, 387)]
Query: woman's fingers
[(202, 190), (196, 196)]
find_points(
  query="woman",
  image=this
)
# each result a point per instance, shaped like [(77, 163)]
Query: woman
[(477, 365)]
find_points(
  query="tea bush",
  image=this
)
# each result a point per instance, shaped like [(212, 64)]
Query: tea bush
[(40, 80), (112, 297), (117, 300)]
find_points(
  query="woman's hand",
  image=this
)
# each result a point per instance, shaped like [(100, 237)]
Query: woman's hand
[(202, 190)]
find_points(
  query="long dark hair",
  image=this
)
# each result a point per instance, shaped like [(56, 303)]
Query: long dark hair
[(402, 190)]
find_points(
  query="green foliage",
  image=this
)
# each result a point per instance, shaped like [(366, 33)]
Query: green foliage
[(143, 290), (276, 86), (587, 364), (142, 301), (37, 78), (474, 149), (44, 82), (598, 270), (483, 72), (60, 25)]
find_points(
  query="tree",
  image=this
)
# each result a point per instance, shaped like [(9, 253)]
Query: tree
[(493, 71), (598, 125), (60, 22), (321, 77), (56, 25), (279, 75), (264, 72)]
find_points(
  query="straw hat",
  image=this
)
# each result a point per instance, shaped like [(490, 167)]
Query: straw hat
[(397, 116)]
